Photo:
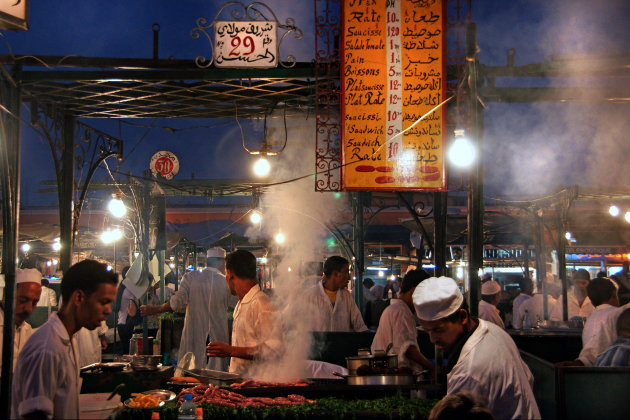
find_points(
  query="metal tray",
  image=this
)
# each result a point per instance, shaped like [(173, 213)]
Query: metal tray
[(163, 394), (127, 401), (213, 377)]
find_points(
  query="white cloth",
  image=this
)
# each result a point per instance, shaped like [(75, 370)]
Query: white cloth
[(22, 334), (398, 326), (600, 331), (343, 316), (124, 302), (46, 377), (574, 309), (89, 344), (255, 324), (488, 312), (48, 297), (516, 303), (205, 297), (536, 309), (491, 366), (377, 291)]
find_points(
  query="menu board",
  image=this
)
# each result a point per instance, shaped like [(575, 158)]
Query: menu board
[(393, 74)]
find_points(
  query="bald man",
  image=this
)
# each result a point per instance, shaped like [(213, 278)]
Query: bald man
[(28, 290)]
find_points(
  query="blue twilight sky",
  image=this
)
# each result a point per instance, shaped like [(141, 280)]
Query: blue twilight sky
[(529, 148)]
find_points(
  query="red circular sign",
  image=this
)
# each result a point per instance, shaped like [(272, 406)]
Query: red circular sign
[(164, 166), (165, 163)]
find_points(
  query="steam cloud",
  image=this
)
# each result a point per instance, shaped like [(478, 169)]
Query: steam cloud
[(301, 214)]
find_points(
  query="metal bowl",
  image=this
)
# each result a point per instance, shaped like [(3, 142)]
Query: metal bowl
[(146, 362), (162, 394)]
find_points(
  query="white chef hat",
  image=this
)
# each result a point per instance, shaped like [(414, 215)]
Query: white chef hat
[(490, 288), (28, 275), (436, 298), (216, 252)]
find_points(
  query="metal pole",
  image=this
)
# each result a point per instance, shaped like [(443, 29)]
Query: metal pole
[(358, 244), (10, 180), (439, 232), (66, 194), (475, 198)]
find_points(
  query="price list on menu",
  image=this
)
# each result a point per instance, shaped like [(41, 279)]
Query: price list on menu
[(392, 76)]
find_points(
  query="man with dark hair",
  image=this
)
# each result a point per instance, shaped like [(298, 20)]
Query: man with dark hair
[(204, 297), (578, 302), (482, 358), (256, 335), (526, 286), (398, 326), (618, 354), (600, 328), (46, 379), (48, 296), (331, 304)]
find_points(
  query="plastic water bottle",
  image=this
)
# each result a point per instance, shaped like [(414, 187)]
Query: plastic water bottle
[(527, 323), (187, 409)]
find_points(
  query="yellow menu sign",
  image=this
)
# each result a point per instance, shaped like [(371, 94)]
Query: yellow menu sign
[(393, 74)]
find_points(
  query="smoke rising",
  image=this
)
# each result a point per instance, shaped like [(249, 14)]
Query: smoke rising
[(301, 214)]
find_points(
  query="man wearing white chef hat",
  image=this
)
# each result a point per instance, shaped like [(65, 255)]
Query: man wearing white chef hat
[(482, 358), (27, 293), (490, 297), (204, 297)]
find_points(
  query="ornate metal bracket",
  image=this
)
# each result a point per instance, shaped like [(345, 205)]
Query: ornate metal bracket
[(242, 13)]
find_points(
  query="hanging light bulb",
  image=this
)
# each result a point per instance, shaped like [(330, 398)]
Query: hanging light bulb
[(614, 211), (26, 247), (461, 153), (255, 217), (280, 238), (262, 167), (116, 207)]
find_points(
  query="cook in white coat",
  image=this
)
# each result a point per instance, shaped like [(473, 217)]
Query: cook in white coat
[(527, 289), (46, 382), (482, 358), (256, 333), (205, 298), (490, 297), (535, 307), (48, 296), (330, 303), (398, 326), (578, 302), (600, 329), (90, 344), (27, 294)]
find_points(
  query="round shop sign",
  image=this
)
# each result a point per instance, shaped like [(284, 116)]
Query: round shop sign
[(166, 163)]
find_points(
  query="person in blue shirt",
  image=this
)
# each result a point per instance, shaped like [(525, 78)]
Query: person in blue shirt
[(618, 354)]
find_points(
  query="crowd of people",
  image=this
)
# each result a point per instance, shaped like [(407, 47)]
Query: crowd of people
[(484, 371)]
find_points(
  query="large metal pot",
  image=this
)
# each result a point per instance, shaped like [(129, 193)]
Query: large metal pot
[(384, 361)]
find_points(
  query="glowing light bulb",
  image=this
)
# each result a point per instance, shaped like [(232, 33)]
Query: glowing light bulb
[(26, 247), (116, 207), (461, 153), (263, 260), (289, 269), (255, 217), (614, 211), (56, 246), (55, 261), (171, 266), (627, 216), (262, 167), (568, 236), (381, 274), (280, 238)]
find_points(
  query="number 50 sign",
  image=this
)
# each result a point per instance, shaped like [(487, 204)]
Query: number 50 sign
[(245, 44)]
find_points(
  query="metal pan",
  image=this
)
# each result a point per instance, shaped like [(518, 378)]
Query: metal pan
[(213, 377), (381, 380)]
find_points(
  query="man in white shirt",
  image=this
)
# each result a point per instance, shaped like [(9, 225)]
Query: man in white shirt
[(204, 297), (256, 333), (398, 326), (48, 296), (490, 297), (27, 294), (91, 344), (527, 289), (600, 329), (332, 306), (482, 358), (46, 381), (578, 303)]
